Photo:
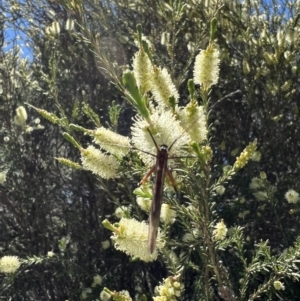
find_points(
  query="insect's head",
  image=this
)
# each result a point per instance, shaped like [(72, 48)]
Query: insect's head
[(163, 147)]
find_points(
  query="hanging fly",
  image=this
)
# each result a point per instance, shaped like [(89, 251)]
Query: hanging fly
[(161, 169)]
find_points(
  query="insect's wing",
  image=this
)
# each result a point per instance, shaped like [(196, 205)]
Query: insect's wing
[(154, 217), (152, 237)]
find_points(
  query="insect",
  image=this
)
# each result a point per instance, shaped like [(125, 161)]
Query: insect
[(161, 169)]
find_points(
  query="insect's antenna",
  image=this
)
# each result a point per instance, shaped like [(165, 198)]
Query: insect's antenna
[(153, 139), (185, 130), (226, 96), (193, 123)]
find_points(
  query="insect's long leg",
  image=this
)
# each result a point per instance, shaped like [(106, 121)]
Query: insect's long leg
[(171, 178), (146, 177), (196, 119)]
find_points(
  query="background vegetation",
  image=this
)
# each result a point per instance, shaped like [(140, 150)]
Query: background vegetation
[(75, 73)]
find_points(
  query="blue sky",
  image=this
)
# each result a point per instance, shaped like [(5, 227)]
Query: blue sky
[(13, 37), (17, 36)]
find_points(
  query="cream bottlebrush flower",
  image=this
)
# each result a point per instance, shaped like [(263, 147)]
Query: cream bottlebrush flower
[(21, 116), (69, 163), (21, 112), (97, 280), (122, 211), (121, 296), (246, 155), (193, 120), (278, 285), (105, 244), (144, 203), (220, 231), (206, 69), (50, 254), (169, 290), (53, 29), (69, 24), (292, 196), (112, 142), (29, 129), (261, 195), (3, 176), (9, 264), (85, 293), (220, 190), (256, 156), (132, 238), (144, 197), (165, 130), (37, 121), (98, 163), (167, 215), (162, 87), (142, 70), (105, 296), (256, 183)]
